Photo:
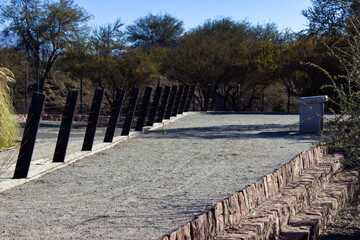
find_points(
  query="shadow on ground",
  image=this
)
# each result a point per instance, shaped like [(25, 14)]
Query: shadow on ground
[(235, 132)]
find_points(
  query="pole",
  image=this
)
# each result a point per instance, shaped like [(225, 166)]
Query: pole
[(37, 79), (81, 94), (26, 83)]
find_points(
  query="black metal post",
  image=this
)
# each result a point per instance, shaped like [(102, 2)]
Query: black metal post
[(177, 101), (114, 115), (130, 111), (190, 98), (93, 120), (183, 99), (81, 94), (238, 98), (29, 136), (288, 103), (171, 102), (154, 106), (207, 97), (163, 105), (263, 101), (37, 79), (225, 99), (26, 92), (143, 109), (65, 127)]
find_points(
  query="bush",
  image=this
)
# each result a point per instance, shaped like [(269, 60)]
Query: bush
[(345, 128), (8, 126)]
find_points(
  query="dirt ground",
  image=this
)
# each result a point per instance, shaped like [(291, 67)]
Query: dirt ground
[(347, 224)]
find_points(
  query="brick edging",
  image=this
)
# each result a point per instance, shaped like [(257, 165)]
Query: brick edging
[(232, 209)]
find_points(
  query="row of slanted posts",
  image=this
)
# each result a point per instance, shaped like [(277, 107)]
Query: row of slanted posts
[(166, 102)]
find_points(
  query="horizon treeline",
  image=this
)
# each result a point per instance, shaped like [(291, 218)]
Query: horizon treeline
[(41, 39)]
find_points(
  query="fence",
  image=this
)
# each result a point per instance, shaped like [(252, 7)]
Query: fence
[(137, 114)]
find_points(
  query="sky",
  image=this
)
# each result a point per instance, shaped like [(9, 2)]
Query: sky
[(285, 13)]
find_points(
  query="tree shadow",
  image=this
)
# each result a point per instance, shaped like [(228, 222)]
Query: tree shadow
[(261, 131)]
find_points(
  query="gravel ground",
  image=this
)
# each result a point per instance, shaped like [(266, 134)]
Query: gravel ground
[(152, 184)]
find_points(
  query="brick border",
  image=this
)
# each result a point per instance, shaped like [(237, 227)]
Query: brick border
[(233, 209)]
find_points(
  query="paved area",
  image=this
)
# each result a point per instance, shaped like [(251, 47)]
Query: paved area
[(43, 153), (148, 186)]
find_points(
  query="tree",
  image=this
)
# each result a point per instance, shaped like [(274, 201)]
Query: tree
[(76, 61), (225, 53), (209, 54), (43, 29), (325, 17), (331, 17), (106, 47), (139, 68), (344, 129), (155, 30)]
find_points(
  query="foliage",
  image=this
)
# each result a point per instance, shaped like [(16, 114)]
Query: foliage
[(76, 57), (139, 68), (155, 30), (345, 127), (8, 126), (154, 49), (106, 48), (43, 29), (326, 17), (225, 53)]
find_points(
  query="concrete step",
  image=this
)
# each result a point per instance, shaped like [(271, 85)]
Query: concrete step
[(271, 218)]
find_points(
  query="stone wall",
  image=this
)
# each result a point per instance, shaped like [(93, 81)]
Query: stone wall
[(232, 209)]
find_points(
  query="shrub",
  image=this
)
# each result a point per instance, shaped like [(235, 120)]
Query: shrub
[(8, 126), (345, 127)]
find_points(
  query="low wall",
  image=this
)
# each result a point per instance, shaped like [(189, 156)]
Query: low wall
[(232, 209)]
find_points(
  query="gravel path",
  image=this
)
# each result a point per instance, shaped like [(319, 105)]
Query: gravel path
[(150, 185)]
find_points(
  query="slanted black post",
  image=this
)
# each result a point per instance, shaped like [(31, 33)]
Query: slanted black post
[(114, 115), (190, 98), (143, 109), (171, 102), (183, 99), (130, 111), (177, 101), (262, 101), (164, 103), (65, 127), (154, 106), (238, 98), (93, 120), (207, 97), (29, 136)]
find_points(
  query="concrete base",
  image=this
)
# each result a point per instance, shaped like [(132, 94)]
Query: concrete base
[(312, 118), (312, 113)]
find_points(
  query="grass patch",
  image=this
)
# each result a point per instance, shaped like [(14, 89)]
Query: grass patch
[(9, 127)]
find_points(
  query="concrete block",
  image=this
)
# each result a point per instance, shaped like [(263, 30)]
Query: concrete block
[(312, 113)]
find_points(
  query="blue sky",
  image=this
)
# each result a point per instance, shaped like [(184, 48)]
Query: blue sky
[(285, 13)]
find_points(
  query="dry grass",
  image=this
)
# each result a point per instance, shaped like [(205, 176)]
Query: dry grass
[(8, 125)]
